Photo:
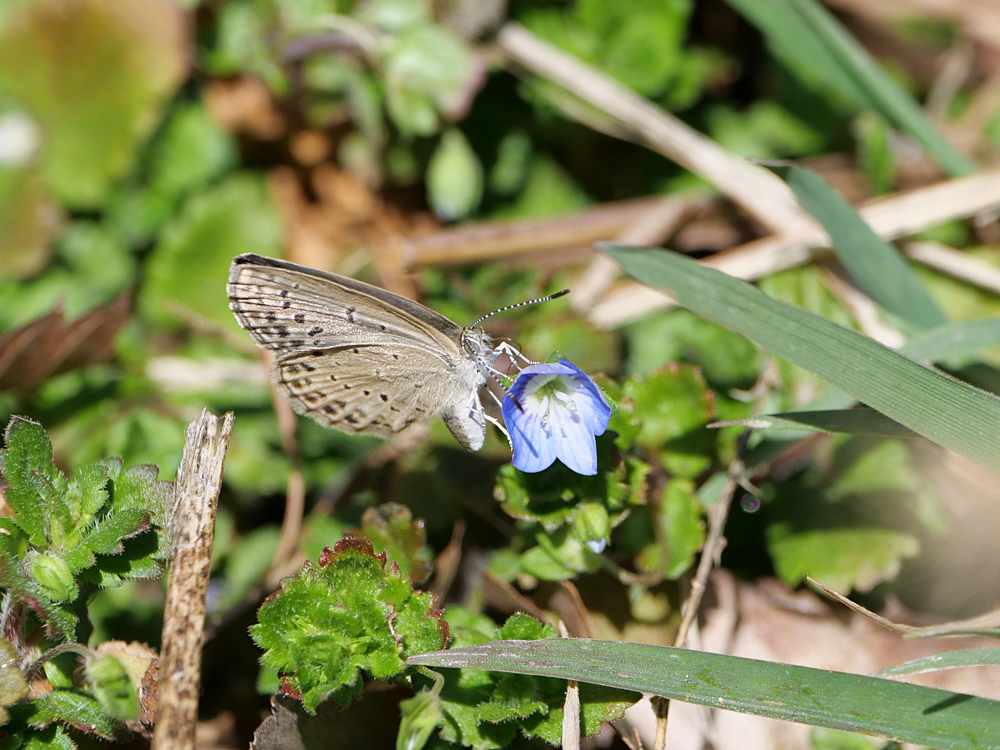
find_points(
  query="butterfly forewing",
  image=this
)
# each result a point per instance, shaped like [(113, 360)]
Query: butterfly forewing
[(285, 307), (355, 357)]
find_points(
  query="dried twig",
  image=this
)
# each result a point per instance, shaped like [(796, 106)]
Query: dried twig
[(758, 191), (478, 243), (192, 529), (295, 492), (898, 216)]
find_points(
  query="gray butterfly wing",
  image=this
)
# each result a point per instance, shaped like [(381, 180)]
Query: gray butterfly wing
[(377, 389), (355, 357), (285, 306)]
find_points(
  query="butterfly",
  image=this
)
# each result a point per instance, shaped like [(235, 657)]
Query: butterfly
[(357, 358)]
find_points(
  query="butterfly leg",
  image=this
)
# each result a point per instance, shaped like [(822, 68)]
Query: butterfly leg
[(513, 352)]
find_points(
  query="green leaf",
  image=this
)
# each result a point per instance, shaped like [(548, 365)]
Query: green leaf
[(950, 413), (875, 155), (852, 421), (26, 462), (26, 221), (911, 713), (353, 613), (77, 709), (54, 576), (477, 705), (681, 534), (878, 268), (844, 559), (725, 358), (559, 555), (109, 536), (808, 37), (99, 73), (454, 177), (13, 686), (963, 657), (952, 339), (392, 528), (112, 687), (191, 261), (850, 522), (666, 412), (553, 497), (425, 68), (419, 716), (51, 737), (189, 153)]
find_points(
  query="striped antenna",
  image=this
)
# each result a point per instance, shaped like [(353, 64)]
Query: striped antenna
[(557, 295)]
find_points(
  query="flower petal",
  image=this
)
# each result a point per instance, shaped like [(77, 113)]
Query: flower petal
[(554, 411)]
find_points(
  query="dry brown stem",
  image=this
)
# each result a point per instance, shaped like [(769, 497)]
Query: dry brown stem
[(192, 530)]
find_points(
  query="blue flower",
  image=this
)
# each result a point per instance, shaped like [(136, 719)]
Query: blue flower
[(555, 411)]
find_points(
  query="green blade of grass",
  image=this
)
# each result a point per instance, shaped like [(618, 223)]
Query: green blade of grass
[(964, 657), (946, 411), (909, 713), (853, 421), (815, 44), (877, 267), (953, 338)]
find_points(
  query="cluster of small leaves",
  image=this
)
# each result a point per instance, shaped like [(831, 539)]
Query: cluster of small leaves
[(352, 613), (66, 536), (486, 710), (564, 511), (103, 525), (389, 64)]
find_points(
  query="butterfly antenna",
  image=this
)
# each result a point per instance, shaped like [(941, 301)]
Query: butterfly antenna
[(557, 295)]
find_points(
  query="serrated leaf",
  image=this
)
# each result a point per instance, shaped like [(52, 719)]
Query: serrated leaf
[(77, 709), (26, 463), (100, 70), (85, 496), (136, 561), (392, 528), (844, 559), (665, 412), (108, 536), (312, 627)]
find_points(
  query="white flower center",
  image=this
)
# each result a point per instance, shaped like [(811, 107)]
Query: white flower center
[(549, 394)]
